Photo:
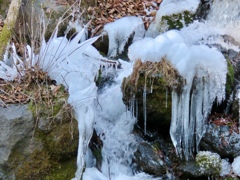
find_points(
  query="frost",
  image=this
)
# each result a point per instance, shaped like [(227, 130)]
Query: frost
[(236, 165), (208, 162), (120, 31), (169, 7), (203, 83)]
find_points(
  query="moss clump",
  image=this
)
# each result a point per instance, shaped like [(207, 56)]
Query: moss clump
[(63, 171), (61, 142), (209, 163), (5, 36), (36, 166), (176, 21)]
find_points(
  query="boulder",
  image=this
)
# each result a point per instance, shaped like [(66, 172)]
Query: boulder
[(222, 140), (28, 151), (16, 125), (149, 159)]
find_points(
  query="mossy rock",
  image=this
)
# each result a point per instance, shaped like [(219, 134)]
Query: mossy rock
[(56, 157), (177, 21), (63, 171), (62, 141), (37, 165), (158, 79), (158, 103), (57, 141)]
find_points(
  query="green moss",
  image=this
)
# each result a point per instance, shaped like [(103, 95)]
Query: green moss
[(36, 166), (50, 105), (56, 157), (230, 78), (177, 21), (40, 166), (59, 139), (64, 171), (61, 142), (5, 36)]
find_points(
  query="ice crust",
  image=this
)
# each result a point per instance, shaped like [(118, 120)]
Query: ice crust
[(121, 30), (168, 8)]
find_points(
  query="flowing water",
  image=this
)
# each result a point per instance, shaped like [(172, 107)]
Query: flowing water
[(225, 14)]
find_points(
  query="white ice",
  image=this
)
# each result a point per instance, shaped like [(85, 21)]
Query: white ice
[(236, 165), (120, 31)]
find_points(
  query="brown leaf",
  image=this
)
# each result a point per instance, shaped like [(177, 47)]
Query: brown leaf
[(112, 11)]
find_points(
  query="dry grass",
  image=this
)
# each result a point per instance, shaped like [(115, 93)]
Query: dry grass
[(162, 69)]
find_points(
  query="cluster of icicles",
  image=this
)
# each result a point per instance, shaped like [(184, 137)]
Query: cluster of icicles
[(203, 84)]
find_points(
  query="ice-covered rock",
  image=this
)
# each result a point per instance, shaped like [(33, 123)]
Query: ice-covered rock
[(172, 14), (120, 32)]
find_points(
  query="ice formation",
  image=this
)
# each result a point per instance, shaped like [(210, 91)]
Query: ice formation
[(75, 65), (120, 31), (226, 167), (204, 83), (168, 8), (236, 165)]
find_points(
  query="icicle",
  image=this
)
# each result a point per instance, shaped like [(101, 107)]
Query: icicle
[(152, 81), (145, 105), (136, 109)]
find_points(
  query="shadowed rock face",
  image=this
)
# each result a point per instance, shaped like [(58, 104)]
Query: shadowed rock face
[(149, 160), (16, 124), (222, 140), (158, 79)]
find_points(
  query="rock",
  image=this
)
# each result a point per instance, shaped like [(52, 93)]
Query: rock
[(16, 124), (165, 21), (222, 140), (40, 12), (102, 44), (189, 170), (203, 9), (149, 160), (28, 151), (157, 80)]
